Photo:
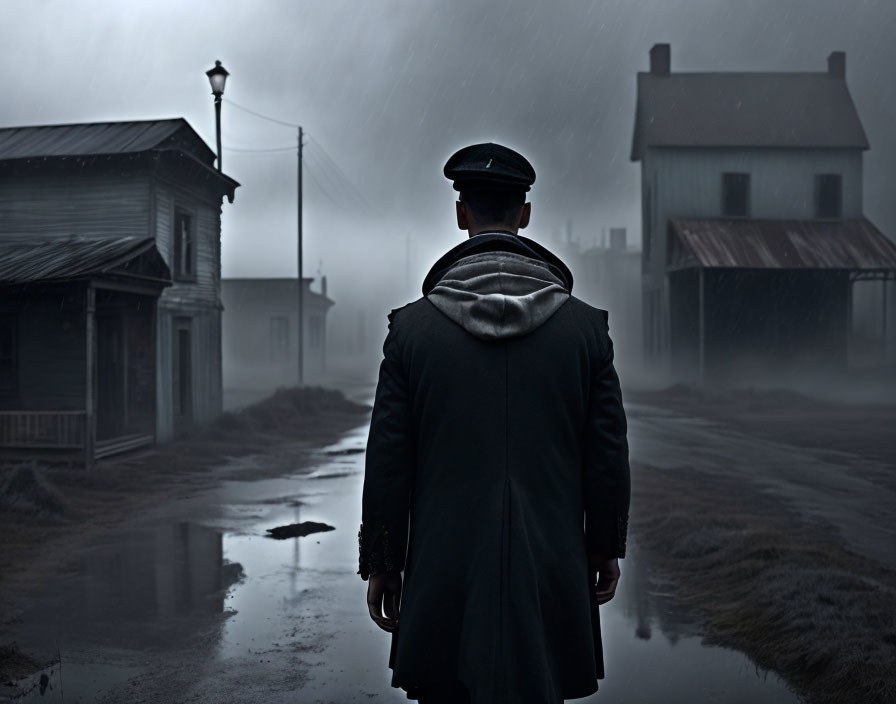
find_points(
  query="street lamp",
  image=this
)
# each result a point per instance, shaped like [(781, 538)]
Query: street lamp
[(217, 77)]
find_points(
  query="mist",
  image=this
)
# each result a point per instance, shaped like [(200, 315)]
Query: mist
[(390, 90)]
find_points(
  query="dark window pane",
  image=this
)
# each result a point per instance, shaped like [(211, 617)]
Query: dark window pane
[(828, 196), (8, 347), (183, 245), (736, 195)]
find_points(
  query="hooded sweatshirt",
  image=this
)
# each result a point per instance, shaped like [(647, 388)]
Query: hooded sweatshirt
[(498, 285)]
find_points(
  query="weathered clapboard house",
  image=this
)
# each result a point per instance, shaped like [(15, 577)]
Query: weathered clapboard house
[(753, 234), (110, 284)]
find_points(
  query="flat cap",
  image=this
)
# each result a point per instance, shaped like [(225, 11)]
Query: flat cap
[(489, 166)]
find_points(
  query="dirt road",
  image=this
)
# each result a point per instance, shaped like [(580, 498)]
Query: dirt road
[(186, 600)]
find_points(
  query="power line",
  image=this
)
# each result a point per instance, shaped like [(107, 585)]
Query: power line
[(264, 150), (260, 115)]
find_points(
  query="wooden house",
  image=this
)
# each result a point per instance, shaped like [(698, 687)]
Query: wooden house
[(69, 195), (261, 332), (752, 227)]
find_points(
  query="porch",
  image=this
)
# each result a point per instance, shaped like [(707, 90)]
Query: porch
[(78, 352)]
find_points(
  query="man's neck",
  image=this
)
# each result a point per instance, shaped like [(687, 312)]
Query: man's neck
[(503, 229)]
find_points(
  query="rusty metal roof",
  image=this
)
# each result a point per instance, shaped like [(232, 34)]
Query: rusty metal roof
[(855, 245), (95, 138), (61, 258), (745, 110)]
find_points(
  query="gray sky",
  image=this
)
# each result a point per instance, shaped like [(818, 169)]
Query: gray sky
[(390, 89)]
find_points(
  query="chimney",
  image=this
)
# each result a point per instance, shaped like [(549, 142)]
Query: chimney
[(660, 60), (837, 64), (323, 286)]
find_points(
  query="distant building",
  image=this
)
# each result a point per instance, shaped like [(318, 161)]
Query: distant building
[(753, 232), (261, 332), (110, 310), (609, 277)]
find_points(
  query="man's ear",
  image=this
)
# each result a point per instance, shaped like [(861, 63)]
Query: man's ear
[(463, 221), (525, 215)]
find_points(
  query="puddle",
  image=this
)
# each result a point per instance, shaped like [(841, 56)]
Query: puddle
[(297, 620)]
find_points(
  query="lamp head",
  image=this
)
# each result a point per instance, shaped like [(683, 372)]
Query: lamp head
[(217, 77)]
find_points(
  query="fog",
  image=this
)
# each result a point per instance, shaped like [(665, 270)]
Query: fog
[(388, 90)]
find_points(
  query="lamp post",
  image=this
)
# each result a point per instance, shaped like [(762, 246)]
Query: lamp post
[(217, 77)]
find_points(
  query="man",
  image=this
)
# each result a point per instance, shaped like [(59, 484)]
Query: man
[(497, 474)]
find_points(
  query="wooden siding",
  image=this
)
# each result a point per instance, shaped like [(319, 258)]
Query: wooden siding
[(205, 339), (104, 203), (206, 288), (199, 300), (51, 351)]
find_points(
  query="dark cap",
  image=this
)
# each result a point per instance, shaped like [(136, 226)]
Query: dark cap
[(489, 166)]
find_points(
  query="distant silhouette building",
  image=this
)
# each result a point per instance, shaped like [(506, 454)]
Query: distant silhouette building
[(110, 310), (753, 232), (609, 276), (261, 332)]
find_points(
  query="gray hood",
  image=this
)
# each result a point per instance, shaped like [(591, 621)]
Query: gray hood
[(498, 294)]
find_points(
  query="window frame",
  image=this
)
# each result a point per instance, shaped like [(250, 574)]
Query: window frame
[(819, 178), (728, 176), (176, 272), (12, 388)]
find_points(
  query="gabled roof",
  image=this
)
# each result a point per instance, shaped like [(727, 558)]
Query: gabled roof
[(102, 138), (24, 261), (854, 245), (745, 110)]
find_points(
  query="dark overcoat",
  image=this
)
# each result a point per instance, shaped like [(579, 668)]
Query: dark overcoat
[(492, 468)]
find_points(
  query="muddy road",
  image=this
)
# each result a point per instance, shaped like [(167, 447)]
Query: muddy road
[(190, 601)]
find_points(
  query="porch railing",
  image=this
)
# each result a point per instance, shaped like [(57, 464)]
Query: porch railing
[(42, 429)]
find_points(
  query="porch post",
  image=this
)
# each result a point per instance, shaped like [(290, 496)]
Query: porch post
[(849, 282), (701, 354), (883, 322), (90, 378)]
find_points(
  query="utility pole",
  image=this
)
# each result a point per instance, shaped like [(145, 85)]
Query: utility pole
[(301, 326)]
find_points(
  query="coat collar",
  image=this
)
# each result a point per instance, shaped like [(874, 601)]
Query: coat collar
[(497, 242)]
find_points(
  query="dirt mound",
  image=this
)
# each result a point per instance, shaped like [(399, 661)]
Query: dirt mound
[(16, 665), (288, 411), (25, 488)]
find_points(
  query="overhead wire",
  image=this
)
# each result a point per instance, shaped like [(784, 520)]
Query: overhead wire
[(261, 115), (329, 170)]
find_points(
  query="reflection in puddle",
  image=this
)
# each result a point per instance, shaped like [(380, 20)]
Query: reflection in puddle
[(141, 590), (301, 608)]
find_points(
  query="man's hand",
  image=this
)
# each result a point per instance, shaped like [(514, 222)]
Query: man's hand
[(383, 599), (605, 576)]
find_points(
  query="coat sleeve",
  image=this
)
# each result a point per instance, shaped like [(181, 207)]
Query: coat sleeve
[(389, 469), (606, 479)]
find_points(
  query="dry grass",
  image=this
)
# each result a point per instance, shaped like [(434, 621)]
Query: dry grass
[(783, 592)]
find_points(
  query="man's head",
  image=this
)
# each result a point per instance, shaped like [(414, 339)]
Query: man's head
[(493, 181)]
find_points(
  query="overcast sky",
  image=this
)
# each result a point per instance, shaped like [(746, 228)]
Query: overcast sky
[(388, 90)]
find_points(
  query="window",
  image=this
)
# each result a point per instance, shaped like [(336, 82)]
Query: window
[(279, 337), (8, 353), (828, 196), (736, 195), (184, 247), (316, 332)]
